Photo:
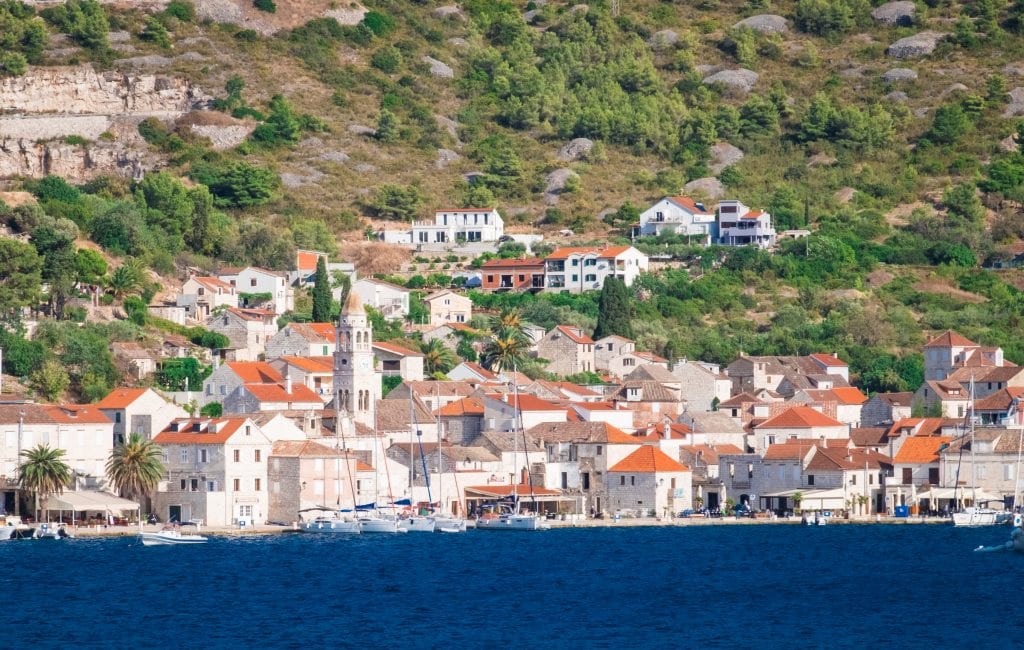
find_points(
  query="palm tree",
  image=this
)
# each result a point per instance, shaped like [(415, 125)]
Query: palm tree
[(508, 318), (437, 357), (43, 472), (134, 467), (125, 280), (506, 350)]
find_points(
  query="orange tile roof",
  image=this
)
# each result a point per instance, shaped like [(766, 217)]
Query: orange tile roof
[(607, 252), (186, 436), (752, 214), (276, 393), (656, 431), (787, 452), (528, 402), (829, 361), (800, 417), (310, 364), (850, 395), (523, 490), (575, 334), (77, 414), (252, 314), (648, 459), (480, 371), (999, 400), (595, 406), (306, 260), (120, 398), (949, 339), (921, 449), (650, 356), (464, 406), (212, 281), (689, 204), (513, 263), (917, 426), (253, 372), (397, 349)]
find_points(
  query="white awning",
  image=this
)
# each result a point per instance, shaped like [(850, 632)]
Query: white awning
[(88, 500), (963, 494)]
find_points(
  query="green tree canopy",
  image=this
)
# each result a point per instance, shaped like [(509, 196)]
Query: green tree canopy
[(614, 312)]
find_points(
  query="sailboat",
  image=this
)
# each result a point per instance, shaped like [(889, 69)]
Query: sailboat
[(370, 518), (334, 520), (974, 516), (416, 523), (509, 516)]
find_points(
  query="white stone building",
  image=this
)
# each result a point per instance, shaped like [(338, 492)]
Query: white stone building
[(581, 269)]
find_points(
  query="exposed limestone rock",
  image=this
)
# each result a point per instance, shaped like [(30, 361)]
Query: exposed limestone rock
[(44, 127), (709, 188), (81, 89), (899, 74), (555, 184), (359, 129), (334, 156), (664, 39), (953, 88), (575, 149), (365, 168), (895, 13), (76, 163), (896, 97), (764, 23), (119, 37), (449, 11), (223, 137), (438, 68), (1009, 144), (741, 80), (1016, 105), (845, 195), (724, 154), (445, 157), (918, 45), (457, 42), (349, 16)]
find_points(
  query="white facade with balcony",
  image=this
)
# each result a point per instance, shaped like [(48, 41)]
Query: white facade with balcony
[(459, 225), (680, 215), (738, 225), (584, 269)]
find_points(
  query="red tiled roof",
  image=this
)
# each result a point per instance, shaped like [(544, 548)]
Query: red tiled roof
[(740, 400), (921, 449), (251, 314), (211, 281), (464, 406), (397, 349), (276, 393), (480, 371), (602, 253), (800, 417), (186, 436), (528, 402), (575, 334), (829, 361), (850, 395), (522, 490), (120, 398), (787, 451), (595, 406), (656, 431), (752, 214), (949, 339), (306, 260), (688, 204), (650, 356), (999, 400), (252, 372), (310, 364), (575, 389), (646, 460), (513, 263), (918, 426), (77, 414)]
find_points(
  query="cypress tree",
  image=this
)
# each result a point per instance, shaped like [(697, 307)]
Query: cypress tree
[(321, 293), (613, 310)]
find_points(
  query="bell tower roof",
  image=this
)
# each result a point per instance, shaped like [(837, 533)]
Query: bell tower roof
[(353, 304)]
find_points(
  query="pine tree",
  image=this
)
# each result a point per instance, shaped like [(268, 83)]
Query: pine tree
[(613, 310), (321, 293)]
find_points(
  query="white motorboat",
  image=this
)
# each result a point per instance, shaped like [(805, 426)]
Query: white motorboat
[(418, 524), (47, 531), (331, 525), (376, 523), (973, 517), (170, 536), (512, 521), (449, 524), (12, 528)]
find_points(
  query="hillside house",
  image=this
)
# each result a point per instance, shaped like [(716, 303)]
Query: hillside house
[(584, 268), (138, 410), (446, 306), (200, 295), (391, 300), (248, 330), (950, 399), (650, 482), (678, 215), (512, 274), (306, 473), (315, 373), (886, 408), (260, 289), (738, 225), (472, 372), (950, 351), (703, 385), (302, 340), (798, 422), (260, 398), (135, 359), (787, 374), (568, 349), (608, 348), (228, 376), (396, 361)]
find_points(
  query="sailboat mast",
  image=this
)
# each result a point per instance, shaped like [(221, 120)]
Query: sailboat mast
[(339, 432), (1020, 447), (517, 420), (437, 426), (974, 470)]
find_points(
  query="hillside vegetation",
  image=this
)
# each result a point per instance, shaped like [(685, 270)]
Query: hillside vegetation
[(907, 170)]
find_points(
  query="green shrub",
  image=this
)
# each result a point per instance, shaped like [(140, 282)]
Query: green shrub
[(237, 184), (387, 59), (182, 10), (13, 64), (265, 5), (155, 32), (84, 20), (378, 23)]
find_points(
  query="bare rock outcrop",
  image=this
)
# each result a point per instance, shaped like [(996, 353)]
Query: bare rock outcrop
[(918, 45), (899, 74), (764, 23), (724, 154), (439, 68), (82, 90), (895, 13), (740, 81), (576, 149), (555, 183), (708, 188), (76, 163)]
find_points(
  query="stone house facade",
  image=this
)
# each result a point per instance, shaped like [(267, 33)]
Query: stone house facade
[(249, 330), (138, 410), (568, 349)]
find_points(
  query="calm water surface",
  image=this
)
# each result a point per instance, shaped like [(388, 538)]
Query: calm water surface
[(702, 586)]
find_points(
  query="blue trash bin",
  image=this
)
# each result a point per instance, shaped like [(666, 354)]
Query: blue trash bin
[(902, 511)]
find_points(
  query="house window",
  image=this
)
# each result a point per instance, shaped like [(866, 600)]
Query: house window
[(490, 279), (225, 320), (853, 479), (252, 282), (622, 480), (182, 485), (184, 455), (590, 262), (871, 479), (810, 479), (565, 480), (575, 278), (575, 262), (201, 291), (117, 417), (600, 450), (237, 484), (248, 429), (203, 456), (585, 480), (1008, 472), (257, 455), (194, 485), (632, 480), (238, 455), (258, 484), (211, 486), (325, 351), (590, 277), (673, 486), (629, 361), (908, 476), (223, 389), (209, 389)]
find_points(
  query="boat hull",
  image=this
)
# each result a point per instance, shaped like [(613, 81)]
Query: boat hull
[(973, 518), (380, 526), (511, 522), (6, 532), (170, 539), (419, 524), (449, 525), (339, 527)]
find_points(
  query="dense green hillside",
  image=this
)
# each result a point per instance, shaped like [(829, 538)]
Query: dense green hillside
[(909, 184)]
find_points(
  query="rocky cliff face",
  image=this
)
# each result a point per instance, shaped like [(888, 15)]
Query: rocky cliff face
[(49, 104), (82, 90)]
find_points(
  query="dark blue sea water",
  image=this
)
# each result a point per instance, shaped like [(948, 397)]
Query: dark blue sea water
[(687, 587)]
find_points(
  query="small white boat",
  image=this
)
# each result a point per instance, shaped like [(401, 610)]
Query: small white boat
[(512, 521), (12, 528), (48, 531), (418, 524), (170, 536), (331, 525), (449, 524), (376, 523), (971, 517)]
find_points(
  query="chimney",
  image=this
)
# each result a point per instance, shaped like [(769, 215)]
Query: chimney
[(288, 384), (666, 430)]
